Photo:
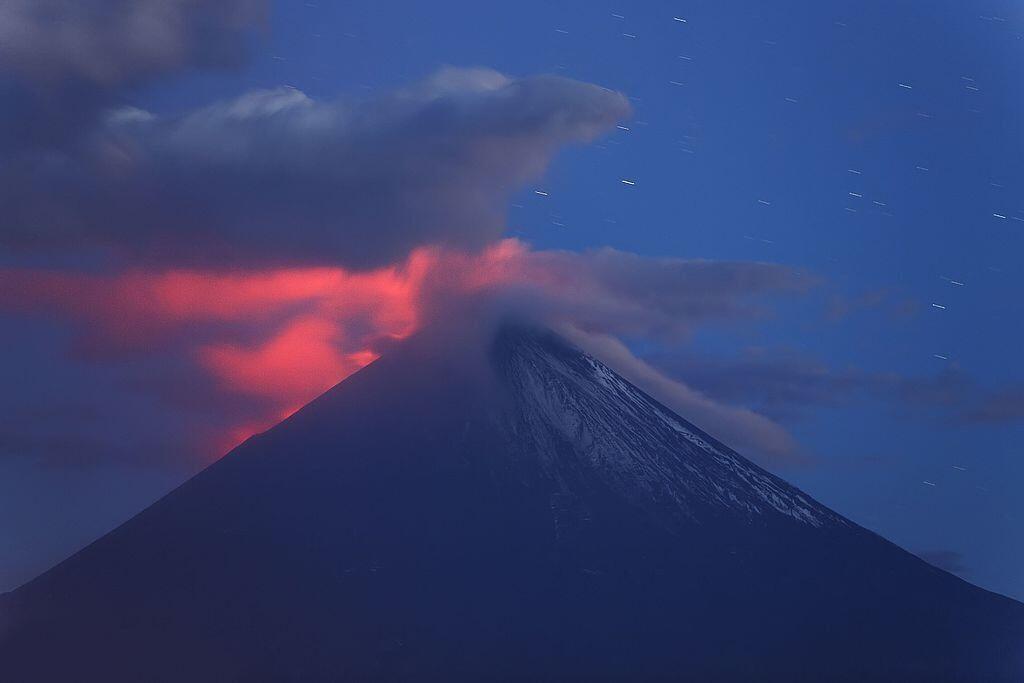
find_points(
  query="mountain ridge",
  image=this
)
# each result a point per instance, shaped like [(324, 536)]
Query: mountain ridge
[(533, 516)]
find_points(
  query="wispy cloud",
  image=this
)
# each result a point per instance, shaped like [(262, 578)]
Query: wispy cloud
[(784, 384)]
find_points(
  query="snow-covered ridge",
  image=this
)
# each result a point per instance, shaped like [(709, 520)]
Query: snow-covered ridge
[(570, 402)]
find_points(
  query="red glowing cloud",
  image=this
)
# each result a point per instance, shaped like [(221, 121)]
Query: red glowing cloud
[(282, 336), (270, 340), (302, 359)]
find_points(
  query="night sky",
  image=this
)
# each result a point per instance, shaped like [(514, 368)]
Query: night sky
[(800, 225)]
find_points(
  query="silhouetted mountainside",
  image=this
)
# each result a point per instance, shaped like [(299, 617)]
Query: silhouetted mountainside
[(531, 516)]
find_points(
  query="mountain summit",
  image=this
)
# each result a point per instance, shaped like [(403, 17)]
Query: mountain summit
[(532, 516)]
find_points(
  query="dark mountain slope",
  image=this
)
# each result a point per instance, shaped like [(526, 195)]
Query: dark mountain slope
[(531, 516)]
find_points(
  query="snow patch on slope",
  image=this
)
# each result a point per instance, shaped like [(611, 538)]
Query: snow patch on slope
[(570, 400)]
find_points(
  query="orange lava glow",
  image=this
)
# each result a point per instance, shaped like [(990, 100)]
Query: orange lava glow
[(281, 335)]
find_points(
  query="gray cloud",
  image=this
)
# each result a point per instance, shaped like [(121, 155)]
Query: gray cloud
[(63, 61), (611, 291), (113, 42), (778, 384), (783, 384), (274, 176)]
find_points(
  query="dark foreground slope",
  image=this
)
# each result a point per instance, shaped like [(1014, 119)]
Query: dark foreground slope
[(531, 517)]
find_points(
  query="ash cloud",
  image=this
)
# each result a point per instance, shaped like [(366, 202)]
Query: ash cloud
[(274, 177), (611, 291)]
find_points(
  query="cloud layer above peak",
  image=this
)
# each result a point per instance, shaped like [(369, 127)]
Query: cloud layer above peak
[(274, 177)]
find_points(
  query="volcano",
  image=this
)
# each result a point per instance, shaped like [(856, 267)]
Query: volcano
[(515, 511)]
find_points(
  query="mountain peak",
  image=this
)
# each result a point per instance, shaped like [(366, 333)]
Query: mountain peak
[(539, 518)]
